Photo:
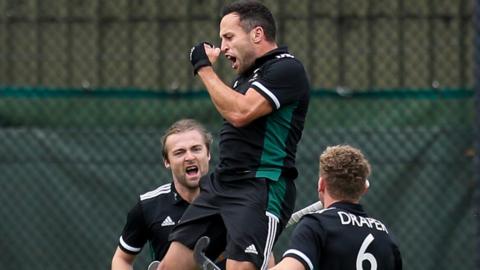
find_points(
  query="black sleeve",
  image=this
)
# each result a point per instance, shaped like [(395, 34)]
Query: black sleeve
[(135, 234), (306, 242), (282, 82), (398, 257)]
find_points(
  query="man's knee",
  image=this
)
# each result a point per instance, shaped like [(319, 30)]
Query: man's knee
[(240, 265), (165, 265), (179, 257)]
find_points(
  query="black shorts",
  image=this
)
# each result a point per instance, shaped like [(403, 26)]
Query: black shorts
[(242, 217)]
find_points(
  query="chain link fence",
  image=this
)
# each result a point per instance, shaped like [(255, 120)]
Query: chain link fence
[(87, 88)]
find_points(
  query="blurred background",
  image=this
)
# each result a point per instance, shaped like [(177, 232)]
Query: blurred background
[(87, 88)]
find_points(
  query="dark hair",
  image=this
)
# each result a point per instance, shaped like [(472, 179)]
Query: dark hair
[(184, 125), (253, 14)]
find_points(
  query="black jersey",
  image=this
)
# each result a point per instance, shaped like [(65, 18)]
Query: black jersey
[(152, 219), (343, 237), (267, 146)]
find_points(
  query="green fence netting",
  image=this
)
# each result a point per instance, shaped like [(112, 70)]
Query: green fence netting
[(73, 166), (88, 87)]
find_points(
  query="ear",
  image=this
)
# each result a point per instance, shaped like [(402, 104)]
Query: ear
[(166, 163), (257, 34), (208, 156), (367, 186), (321, 185)]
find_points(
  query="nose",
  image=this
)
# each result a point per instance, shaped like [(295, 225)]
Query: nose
[(189, 156), (223, 46)]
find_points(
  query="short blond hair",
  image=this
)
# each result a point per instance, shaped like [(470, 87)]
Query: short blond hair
[(184, 125), (345, 170)]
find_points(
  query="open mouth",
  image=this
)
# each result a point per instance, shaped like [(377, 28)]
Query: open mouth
[(232, 59), (192, 170)]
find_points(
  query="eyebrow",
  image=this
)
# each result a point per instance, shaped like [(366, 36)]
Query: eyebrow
[(226, 33)]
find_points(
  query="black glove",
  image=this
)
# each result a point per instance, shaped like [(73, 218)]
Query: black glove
[(198, 57)]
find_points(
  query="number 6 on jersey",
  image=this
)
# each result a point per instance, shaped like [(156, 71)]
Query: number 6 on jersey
[(362, 255)]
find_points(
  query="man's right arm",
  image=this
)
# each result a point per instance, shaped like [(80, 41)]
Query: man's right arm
[(132, 239), (238, 109), (122, 260)]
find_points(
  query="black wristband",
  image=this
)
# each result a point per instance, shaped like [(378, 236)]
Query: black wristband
[(198, 57)]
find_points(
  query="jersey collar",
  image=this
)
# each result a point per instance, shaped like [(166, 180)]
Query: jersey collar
[(264, 58), (177, 199), (270, 55), (350, 207)]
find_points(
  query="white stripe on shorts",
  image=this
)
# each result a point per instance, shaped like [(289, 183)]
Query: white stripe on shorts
[(272, 231)]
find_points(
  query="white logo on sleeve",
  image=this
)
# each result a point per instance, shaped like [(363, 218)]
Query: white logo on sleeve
[(168, 222), (251, 249)]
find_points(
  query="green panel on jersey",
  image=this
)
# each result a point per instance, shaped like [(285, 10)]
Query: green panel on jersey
[(274, 145), (276, 196)]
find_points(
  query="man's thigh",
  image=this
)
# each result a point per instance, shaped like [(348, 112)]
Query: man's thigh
[(252, 227)]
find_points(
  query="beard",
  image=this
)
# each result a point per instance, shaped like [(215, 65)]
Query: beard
[(247, 62)]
